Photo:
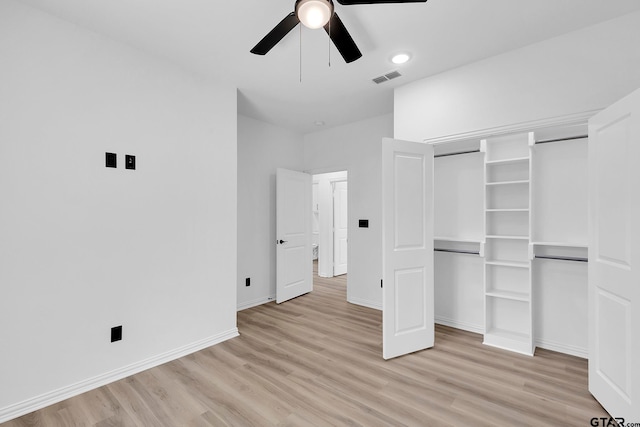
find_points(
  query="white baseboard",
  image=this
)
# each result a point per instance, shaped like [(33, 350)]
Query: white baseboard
[(478, 329), (563, 348), (365, 303), (55, 396), (256, 302), (546, 344)]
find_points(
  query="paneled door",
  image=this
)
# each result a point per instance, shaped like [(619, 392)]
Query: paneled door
[(407, 247), (294, 268), (614, 258)]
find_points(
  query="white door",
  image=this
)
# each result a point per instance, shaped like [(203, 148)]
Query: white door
[(614, 258), (294, 269), (407, 247), (340, 228)]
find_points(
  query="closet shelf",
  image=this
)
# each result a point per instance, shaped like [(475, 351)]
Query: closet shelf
[(514, 296), (516, 264), (507, 161), (508, 340), (455, 239), (562, 244), (521, 181), (505, 237)]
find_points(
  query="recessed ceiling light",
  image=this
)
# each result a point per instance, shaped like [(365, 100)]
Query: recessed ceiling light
[(400, 58), (319, 123)]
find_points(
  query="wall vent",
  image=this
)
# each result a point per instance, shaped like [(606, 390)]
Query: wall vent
[(386, 77)]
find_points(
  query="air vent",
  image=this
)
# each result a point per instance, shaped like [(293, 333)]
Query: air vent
[(386, 77), (393, 75)]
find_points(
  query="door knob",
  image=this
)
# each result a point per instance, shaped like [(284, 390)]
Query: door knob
[(281, 241)]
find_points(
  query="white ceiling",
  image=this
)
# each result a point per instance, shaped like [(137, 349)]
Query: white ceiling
[(213, 37)]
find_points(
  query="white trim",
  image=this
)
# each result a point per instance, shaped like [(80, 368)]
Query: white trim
[(478, 329), (256, 302), (563, 348), (569, 119), (55, 396), (365, 303)]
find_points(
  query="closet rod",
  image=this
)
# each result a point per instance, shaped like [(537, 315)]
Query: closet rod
[(544, 141), (563, 258), (456, 251), (455, 154)]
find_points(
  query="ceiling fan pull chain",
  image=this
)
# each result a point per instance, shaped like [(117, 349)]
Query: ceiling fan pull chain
[(329, 43), (300, 53)]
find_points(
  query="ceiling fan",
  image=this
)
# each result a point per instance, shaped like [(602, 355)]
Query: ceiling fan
[(315, 14)]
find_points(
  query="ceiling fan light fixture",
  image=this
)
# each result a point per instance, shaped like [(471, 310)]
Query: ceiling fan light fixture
[(314, 13)]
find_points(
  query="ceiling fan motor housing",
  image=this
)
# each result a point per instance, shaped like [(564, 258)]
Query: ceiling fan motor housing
[(314, 13)]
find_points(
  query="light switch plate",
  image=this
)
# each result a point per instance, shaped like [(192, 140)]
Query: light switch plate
[(129, 161)]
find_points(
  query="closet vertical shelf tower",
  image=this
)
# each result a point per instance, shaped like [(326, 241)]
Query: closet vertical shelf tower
[(507, 264)]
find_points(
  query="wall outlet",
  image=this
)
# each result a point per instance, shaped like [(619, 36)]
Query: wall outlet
[(111, 160), (116, 333), (247, 281)]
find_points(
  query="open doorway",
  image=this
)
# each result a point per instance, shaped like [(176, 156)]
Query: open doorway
[(329, 223)]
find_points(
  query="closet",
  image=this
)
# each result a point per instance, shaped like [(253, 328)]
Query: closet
[(511, 237)]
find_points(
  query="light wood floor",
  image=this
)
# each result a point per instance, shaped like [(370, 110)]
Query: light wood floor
[(316, 360)]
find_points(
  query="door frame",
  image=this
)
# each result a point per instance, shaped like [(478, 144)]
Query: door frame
[(350, 219), (333, 209)]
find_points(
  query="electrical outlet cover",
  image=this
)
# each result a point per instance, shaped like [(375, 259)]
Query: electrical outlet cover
[(116, 333), (111, 160)]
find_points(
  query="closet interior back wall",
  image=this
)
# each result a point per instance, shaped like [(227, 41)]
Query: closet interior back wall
[(458, 223), (559, 214)]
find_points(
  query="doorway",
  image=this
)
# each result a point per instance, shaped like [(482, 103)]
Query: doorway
[(330, 223)]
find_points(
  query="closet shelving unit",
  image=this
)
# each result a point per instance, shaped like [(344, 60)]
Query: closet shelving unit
[(526, 219), (507, 265)]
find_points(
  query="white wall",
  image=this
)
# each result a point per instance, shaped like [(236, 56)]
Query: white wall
[(356, 148), (262, 148), (459, 196), (560, 192), (459, 291), (459, 214), (325, 220), (581, 71), (84, 248)]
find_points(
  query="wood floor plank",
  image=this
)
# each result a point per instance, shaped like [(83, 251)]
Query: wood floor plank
[(317, 360)]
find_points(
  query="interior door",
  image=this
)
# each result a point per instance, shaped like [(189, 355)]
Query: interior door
[(614, 258), (340, 228), (294, 269), (407, 247)]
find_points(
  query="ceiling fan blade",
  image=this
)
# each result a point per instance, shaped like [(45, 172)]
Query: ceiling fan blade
[(350, 2), (279, 31), (342, 39)]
